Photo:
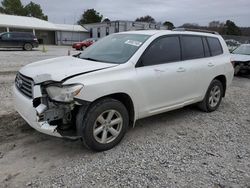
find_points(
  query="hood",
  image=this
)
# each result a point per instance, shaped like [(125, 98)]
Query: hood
[(58, 69), (240, 57)]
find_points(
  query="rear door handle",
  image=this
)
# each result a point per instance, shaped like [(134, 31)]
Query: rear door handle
[(210, 64), (181, 69)]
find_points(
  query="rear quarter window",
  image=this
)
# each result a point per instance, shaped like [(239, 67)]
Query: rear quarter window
[(28, 35), (215, 46)]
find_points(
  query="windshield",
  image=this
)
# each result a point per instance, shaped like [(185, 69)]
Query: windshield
[(243, 50), (117, 48)]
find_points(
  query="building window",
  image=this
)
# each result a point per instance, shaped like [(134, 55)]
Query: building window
[(98, 32), (107, 31), (91, 33)]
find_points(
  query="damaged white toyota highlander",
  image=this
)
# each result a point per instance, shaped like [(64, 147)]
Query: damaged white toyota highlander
[(124, 77)]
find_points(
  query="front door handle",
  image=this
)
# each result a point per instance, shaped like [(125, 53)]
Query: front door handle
[(181, 69), (210, 64), (159, 70)]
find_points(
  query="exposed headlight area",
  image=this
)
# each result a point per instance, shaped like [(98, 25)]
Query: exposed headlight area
[(65, 93), (55, 106)]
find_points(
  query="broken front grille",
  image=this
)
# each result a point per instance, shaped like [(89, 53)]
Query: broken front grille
[(24, 84)]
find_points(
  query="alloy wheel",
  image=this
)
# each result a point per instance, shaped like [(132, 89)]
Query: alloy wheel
[(214, 97), (107, 126)]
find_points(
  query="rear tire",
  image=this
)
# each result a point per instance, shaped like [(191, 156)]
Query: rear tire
[(27, 47), (103, 125), (213, 97)]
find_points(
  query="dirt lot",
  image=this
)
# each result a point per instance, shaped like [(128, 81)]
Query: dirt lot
[(183, 148)]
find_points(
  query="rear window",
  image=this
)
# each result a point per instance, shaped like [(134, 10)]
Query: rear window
[(192, 47), (215, 46)]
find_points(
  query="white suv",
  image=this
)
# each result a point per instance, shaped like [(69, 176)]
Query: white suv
[(124, 77)]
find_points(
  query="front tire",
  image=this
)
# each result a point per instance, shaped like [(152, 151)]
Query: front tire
[(213, 97), (103, 125)]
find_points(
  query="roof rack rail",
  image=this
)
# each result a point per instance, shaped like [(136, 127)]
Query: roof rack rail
[(196, 30)]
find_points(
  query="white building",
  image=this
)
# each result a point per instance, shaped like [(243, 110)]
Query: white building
[(99, 30), (45, 31)]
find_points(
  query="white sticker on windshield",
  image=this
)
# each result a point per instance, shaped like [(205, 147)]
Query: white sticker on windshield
[(133, 43)]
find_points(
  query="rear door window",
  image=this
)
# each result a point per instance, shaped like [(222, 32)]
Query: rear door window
[(206, 47), (24, 35), (162, 50), (15, 36), (192, 47), (215, 46)]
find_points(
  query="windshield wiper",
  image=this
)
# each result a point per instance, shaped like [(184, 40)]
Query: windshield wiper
[(91, 59), (77, 55)]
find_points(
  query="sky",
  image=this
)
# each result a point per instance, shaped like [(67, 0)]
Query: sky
[(176, 11)]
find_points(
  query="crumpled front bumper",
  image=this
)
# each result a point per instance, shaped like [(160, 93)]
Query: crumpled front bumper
[(24, 106)]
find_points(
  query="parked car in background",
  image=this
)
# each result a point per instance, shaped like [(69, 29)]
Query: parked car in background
[(241, 59), (120, 79), (84, 44), (24, 40), (232, 44)]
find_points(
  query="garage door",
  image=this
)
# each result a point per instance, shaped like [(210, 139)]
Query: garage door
[(48, 37)]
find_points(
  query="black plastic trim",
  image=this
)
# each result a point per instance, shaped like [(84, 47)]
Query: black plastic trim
[(82, 102)]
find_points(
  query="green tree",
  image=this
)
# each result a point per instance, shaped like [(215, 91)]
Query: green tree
[(35, 10), (230, 28), (15, 7), (90, 16), (12, 7), (147, 18), (169, 25)]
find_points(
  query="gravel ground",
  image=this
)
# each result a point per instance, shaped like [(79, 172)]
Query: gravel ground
[(183, 148)]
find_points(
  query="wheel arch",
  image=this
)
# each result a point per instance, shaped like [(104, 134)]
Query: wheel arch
[(126, 100), (223, 80)]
